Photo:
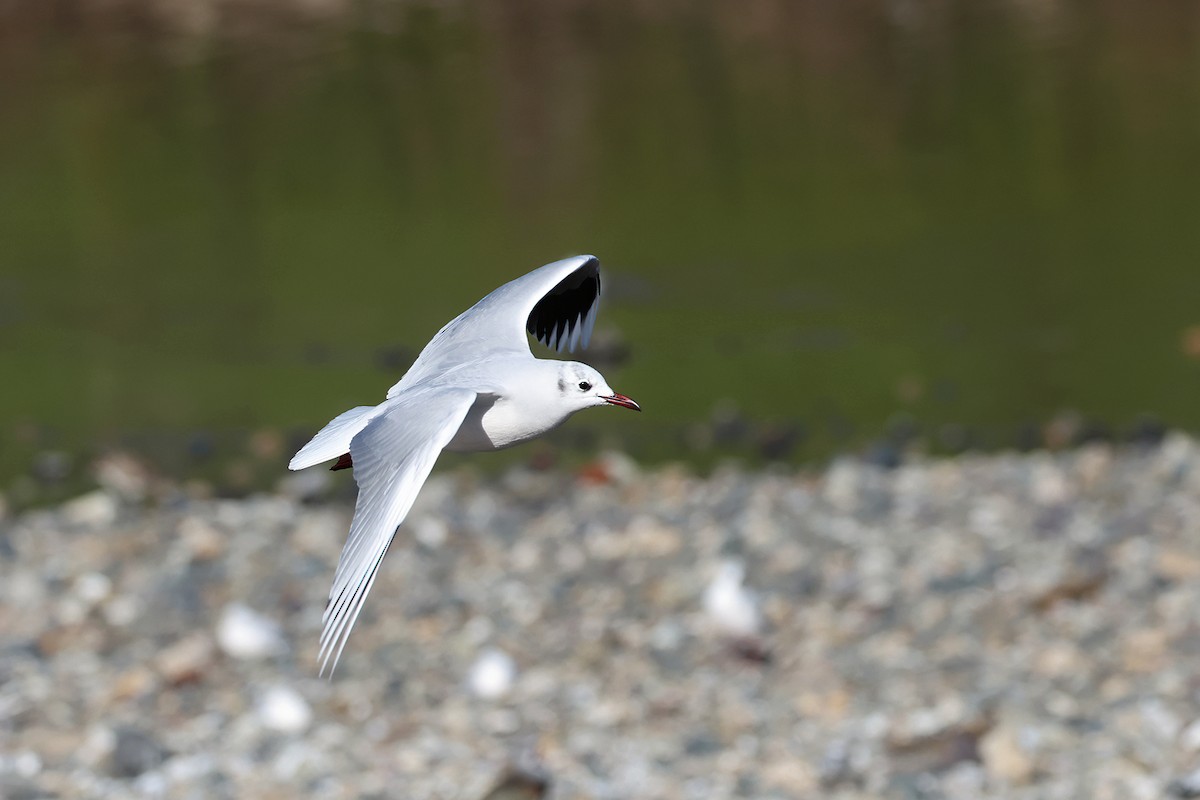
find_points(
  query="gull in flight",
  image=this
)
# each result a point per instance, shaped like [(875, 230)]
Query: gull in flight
[(476, 386)]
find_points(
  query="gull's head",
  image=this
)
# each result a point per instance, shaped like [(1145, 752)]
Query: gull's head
[(583, 387)]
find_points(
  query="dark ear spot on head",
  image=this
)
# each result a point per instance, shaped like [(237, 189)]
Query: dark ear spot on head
[(562, 385)]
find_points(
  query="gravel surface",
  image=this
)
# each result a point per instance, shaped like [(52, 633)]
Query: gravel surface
[(1013, 626)]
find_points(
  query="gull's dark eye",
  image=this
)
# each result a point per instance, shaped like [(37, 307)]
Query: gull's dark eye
[(584, 386)]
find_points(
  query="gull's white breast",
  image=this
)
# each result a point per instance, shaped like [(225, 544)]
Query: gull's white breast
[(498, 422)]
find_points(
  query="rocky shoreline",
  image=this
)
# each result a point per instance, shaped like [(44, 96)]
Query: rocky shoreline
[(984, 626)]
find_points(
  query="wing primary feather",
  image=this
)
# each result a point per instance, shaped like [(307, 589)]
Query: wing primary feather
[(563, 308), (345, 610), (589, 321), (342, 576), (355, 607), (352, 597), (393, 456), (349, 561), (349, 597), (576, 328)]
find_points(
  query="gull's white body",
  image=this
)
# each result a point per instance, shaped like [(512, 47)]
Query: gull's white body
[(476, 386)]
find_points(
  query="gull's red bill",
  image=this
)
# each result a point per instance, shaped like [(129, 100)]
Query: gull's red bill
[(622, 401)]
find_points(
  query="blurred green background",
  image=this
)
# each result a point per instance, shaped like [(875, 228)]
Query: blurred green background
[(827, 226)]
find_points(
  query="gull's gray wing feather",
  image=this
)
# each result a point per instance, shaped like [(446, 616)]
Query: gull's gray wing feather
[(556, 304), (392, 456)]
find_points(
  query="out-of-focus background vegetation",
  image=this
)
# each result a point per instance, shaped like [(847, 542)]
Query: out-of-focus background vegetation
[(828, 226)]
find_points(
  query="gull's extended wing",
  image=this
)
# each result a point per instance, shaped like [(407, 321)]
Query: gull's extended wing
[(392, 457), (556, 303)]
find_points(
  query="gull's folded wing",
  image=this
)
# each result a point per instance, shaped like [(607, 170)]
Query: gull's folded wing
[(393, 456), (556, 304)]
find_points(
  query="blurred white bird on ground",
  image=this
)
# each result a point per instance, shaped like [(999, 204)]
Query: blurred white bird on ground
[(729, 605)]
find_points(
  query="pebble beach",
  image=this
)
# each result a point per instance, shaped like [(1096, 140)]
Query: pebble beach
[(985, 626)]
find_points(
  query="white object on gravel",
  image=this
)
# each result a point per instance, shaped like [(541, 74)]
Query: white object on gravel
[(283, 709), (729, 605), (492, 674), (245, 634)]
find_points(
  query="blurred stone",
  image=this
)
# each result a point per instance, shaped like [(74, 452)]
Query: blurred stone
[(1093, 464), (187, 659), (1158, 720), (431, 531), (1147, 431), (133, 683), (23, 763), (135, 752), (245, 634), (842, 482), (98, 746), (1176, 564), (238, 476), (1003, 757), (884, 454), (753, 649), (1145, 650), (777, 442), (954, 437), (55, 639), (123, 475), (1050, 485), (932, 739), (266, 444), (201, 446), (492, 674), (1061, 658), (728, 425), (51, 467), (283, 709), (1062, 430), (92, 588), (1187, 786), (611, 467), (1078, 577), (92, 510), (1189, 342), (122, 610), (16, 787), (649, 538), (202, 539), (791, 776), (835, 766), (519, 785), (308, 484), (1189, 739)]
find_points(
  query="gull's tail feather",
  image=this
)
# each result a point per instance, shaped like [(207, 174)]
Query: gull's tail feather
[(334, 439)]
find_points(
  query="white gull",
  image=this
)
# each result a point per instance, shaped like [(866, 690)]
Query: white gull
[(476, 386)]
